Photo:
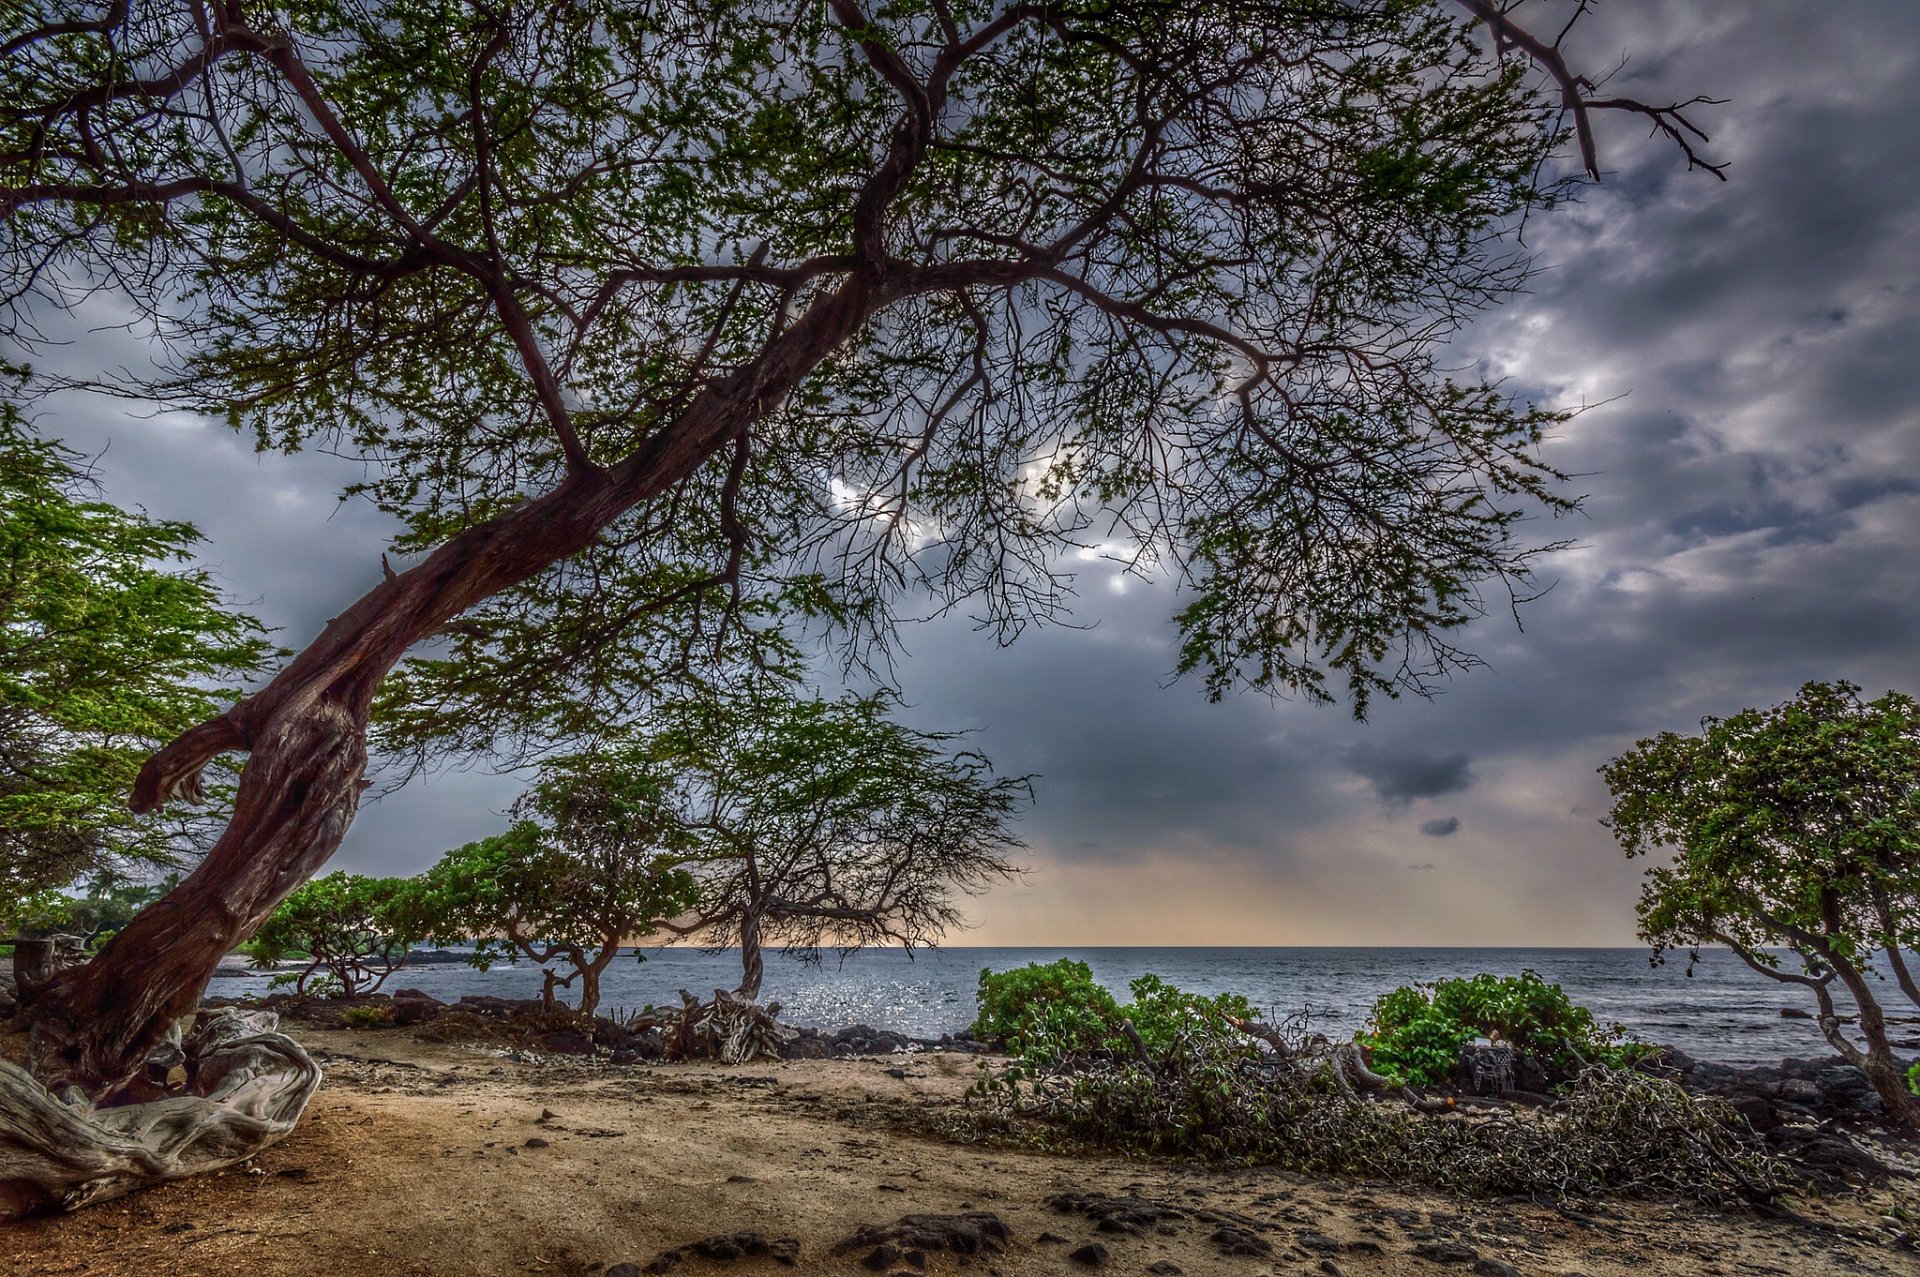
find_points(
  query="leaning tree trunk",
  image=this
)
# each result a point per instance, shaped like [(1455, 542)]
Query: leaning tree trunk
[(1877, 1062), (298, 793), (306, 729)]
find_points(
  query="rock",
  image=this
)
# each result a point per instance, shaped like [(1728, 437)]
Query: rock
[(1091, 1255), (883, 1257), (664, 1262), (1116, 1214), (726, 1246), (536, 1142), (1796, 1090), (1165, 1268), (1795, 1013), (1239, 1241), (567, 1042), (1758, 1112), (1320, 1243), (808, 1045), (1447, 1253), (1331, 1269), (1494, 1268), (631, 1270), (411, 1006), (973, 1233)]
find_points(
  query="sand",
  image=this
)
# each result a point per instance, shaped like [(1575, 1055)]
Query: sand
[(421, 1159)]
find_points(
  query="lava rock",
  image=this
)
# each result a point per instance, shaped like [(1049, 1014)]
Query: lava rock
[(1091, 1255), (973, 1233), (1447, 1253)]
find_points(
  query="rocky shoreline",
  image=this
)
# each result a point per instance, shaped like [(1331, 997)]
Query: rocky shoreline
[(1806, 1109)]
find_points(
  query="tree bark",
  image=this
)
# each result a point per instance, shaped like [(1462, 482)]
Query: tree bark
[(590, 974), (298, 793), (752, 966)]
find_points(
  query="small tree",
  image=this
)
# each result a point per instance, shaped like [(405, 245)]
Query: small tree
[(590, 865), (825, 823), (351, 930), (1795, 827)]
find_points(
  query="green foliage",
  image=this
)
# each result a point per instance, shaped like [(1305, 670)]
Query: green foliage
[(1416, 1033), (1913, 1079), (1794, 827), (1056, 1011), (109, 646), (1163, 1015), (366, 1017), (594, 860), (1044, 1011), (1065, 300), (108, 905), (352, 931)]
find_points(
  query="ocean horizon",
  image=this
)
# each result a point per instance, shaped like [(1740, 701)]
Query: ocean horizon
[(1722, 1011)]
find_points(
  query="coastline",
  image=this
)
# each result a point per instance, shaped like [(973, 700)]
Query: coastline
[(419, 1159)]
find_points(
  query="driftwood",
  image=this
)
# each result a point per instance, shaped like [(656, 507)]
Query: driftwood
[(248, 1087), (732, 1028)]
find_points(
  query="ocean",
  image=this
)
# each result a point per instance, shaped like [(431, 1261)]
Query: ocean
[(1722, 1012)]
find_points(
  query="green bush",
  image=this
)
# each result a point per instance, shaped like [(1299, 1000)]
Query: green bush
[(1046, 1011), (366, 1017), (1416, 1033), (1057, 1011), (1163, 1015)]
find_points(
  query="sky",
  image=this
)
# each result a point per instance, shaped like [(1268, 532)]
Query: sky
[(1749, 356)]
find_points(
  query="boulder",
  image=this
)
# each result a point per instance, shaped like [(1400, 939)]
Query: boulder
[(411, 1006)]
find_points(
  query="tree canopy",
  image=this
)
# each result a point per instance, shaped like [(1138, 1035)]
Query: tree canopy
[(648, 315), (826, 823), (350, 930), (593, 864), (1794, 827), (110, 645)]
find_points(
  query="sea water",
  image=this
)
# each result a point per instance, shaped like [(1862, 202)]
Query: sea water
[(1722, 1011)]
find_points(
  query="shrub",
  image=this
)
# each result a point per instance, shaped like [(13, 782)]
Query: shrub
[(1416, 1033), (366, 1017), (1617, 1132), (1162, 1014), (1057, 1011), (1046, 1010)]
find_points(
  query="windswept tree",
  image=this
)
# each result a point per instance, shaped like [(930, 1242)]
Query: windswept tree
[(1797, 828), (826, 824), (110, 645), (641, 310), (349, 930), (592, 864)]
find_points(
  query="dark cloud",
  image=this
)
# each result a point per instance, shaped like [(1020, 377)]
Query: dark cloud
[(1441, 827), (1400, 774), (1752, 471)]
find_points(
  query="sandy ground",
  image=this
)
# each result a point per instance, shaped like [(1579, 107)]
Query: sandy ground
[(418, 1160)]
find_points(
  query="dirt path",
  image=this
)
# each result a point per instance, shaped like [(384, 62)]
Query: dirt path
[(419, 1160)]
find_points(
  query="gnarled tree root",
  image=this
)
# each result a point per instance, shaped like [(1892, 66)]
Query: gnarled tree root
[(249, 1085)]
